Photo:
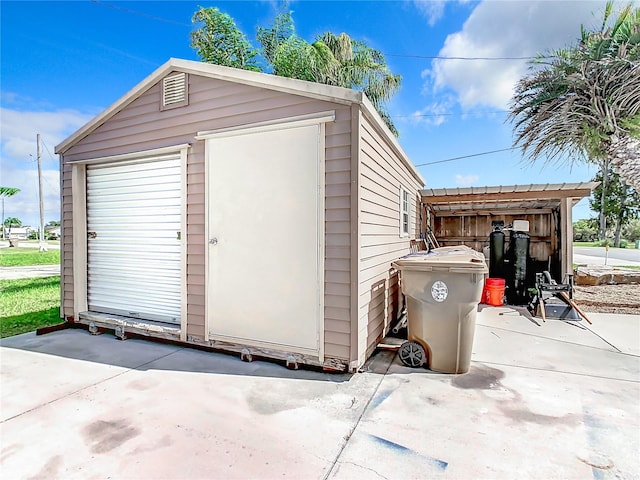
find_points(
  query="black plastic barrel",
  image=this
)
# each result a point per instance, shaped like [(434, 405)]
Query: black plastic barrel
[(496, 254), (519, 242)]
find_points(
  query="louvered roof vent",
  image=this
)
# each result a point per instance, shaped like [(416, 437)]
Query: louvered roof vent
[(174, 91)]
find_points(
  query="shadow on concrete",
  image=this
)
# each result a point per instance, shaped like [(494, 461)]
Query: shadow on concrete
[(142, 354)]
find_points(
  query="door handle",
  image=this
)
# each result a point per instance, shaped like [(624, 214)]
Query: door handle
[(213, 241)]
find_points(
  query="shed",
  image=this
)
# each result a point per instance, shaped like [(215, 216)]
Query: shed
[(466, 215), (239, 211)]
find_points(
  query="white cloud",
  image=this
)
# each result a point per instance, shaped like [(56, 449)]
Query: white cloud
[(505, 29), (466, 180), (433, 114), (432, 10), (18, 129)]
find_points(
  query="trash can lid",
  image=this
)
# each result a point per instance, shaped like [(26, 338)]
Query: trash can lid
[(459, 258)]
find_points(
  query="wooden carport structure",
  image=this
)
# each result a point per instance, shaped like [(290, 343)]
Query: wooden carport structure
[(466, 216)]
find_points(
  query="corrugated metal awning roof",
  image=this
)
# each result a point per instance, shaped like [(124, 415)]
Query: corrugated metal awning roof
[(505, 197)]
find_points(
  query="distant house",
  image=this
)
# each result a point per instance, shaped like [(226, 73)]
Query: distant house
[(18, 233), (52, 232), (241, 211)]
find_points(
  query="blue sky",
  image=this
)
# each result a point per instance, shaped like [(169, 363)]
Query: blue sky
[(62, 63)]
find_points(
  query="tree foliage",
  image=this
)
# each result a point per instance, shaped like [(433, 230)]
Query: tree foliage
[(8, 191), (583, 101), (577, 102), (12, 222), (330, 59), (631, 231), (218, 40), (585, 230), (621, 202)]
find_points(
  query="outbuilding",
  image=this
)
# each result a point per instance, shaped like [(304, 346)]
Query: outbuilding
[(468, 215), (240, 211)]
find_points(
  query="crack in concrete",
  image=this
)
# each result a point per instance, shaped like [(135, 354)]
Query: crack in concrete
[(366, 468), (539, 369), (532, 335), (348, 436)]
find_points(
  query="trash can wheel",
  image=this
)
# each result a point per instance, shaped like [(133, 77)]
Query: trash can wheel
[(412, 354)]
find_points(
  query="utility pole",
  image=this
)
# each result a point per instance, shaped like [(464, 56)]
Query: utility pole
[(43, 243)]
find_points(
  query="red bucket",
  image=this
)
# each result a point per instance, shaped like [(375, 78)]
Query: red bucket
[(493, 292)]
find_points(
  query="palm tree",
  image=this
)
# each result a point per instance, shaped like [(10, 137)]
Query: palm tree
[(332, 60), (11, 222), (363, 68), (583, 102), (6, 192), (218, 40)]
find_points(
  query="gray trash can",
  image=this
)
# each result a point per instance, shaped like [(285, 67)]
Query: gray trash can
[(443, 289)]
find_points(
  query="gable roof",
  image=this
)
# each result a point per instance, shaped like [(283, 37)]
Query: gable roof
[(294, 86)]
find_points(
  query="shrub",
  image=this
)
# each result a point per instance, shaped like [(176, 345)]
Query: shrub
[(585, 230), (631, 231)]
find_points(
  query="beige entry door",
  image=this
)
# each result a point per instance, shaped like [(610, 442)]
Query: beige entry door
[(265, 232)]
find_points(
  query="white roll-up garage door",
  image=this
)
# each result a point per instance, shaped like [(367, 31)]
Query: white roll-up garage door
[(133, 245)]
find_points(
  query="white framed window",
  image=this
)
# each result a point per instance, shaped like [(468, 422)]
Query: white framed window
[(405, 212)]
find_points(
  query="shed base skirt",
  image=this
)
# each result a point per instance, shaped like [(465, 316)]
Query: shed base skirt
[(167, 332), (135, 326)]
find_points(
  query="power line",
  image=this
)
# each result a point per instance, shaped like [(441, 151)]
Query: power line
[(52, 159), (399, 55), (447, 114), (141, 14), (437, 57), (465, 156), (428, 57)]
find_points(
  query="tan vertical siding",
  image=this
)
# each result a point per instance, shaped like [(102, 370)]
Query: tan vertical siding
[(216, 104), (66, 267), (382, 173), (196, 241), (337, 311)]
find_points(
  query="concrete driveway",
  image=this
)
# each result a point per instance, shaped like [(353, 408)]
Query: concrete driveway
[(542, 400)]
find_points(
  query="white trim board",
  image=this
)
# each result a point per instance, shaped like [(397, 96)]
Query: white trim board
[(288, 122)]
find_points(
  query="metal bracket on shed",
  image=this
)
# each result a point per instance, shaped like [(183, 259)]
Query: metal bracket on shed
[(245, 355), (292, 363), (119, 332), (93, 329)]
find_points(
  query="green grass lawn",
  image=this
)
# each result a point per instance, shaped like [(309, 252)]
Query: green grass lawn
[(28, 304), (24, 256)]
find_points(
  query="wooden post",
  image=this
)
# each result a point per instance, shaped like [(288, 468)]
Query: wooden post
[(566, 237)]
